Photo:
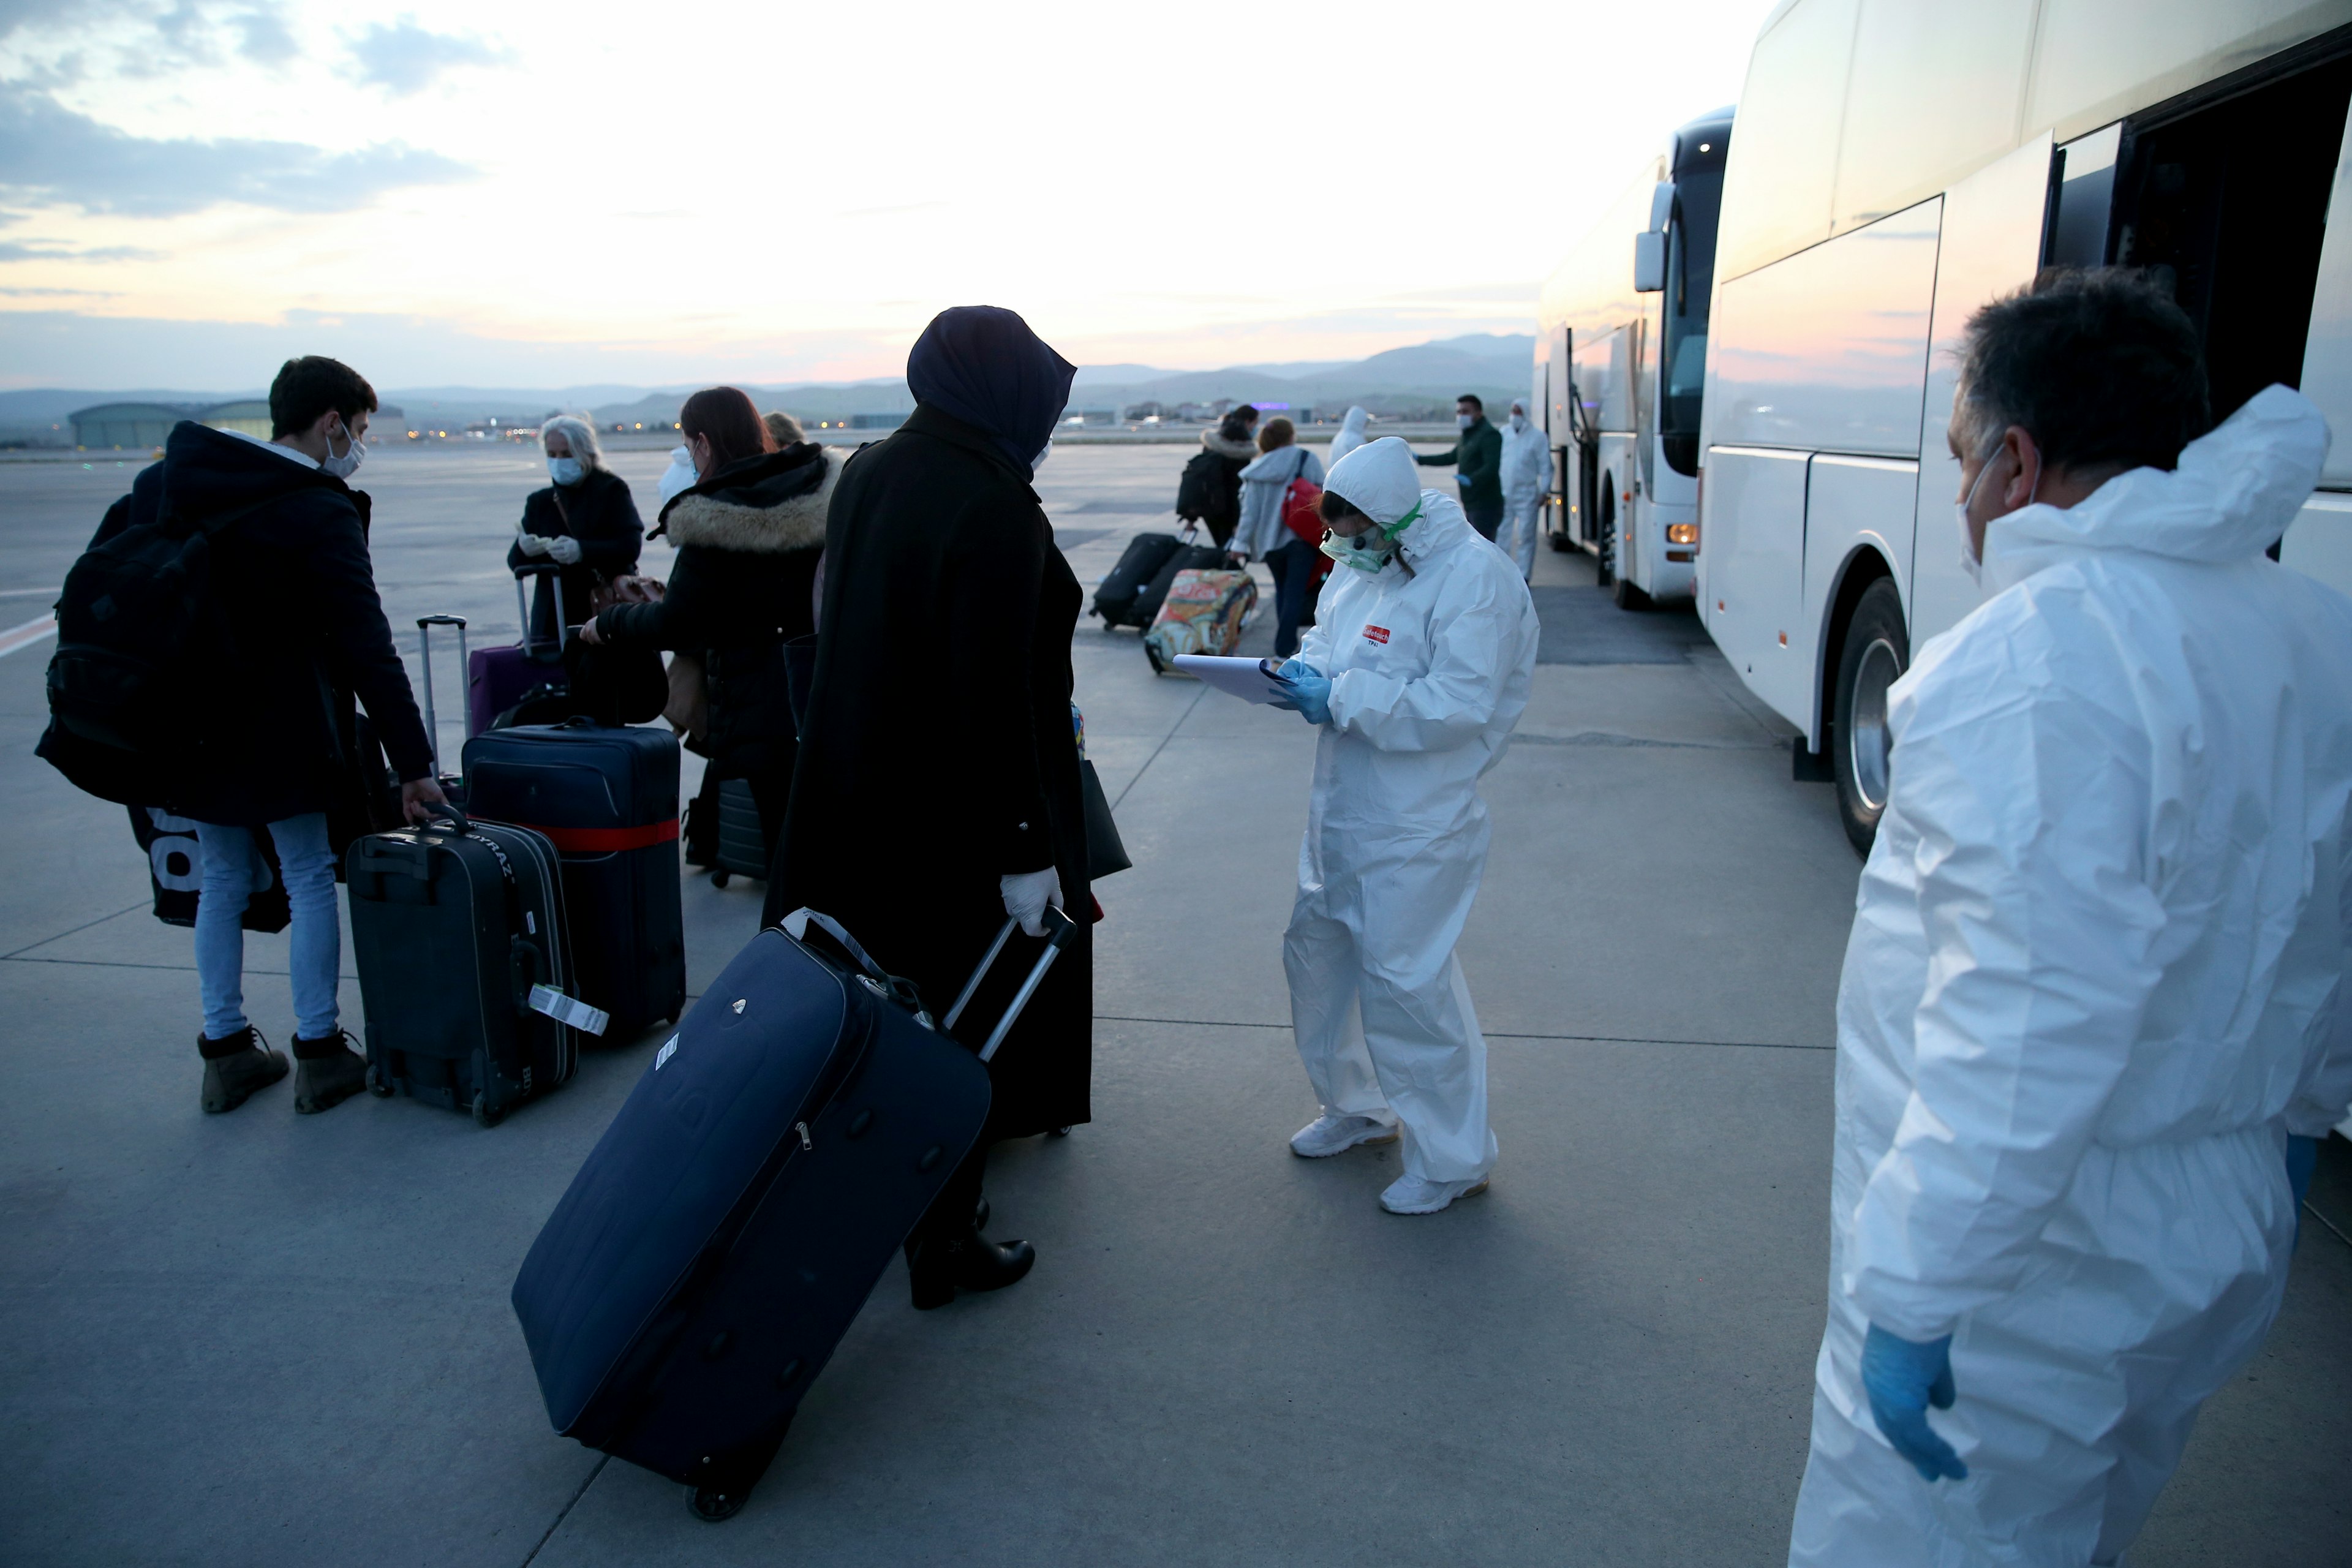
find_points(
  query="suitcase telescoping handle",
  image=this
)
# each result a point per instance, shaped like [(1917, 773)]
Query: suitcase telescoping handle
[(522, 603), (424, 625), (1059, 928)]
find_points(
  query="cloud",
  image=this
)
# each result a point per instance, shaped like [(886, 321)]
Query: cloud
[(49, 153), (152, 38), (58, 250), (404, 59)]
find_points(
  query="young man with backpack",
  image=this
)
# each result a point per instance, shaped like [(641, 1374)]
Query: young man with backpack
[(210, 643)]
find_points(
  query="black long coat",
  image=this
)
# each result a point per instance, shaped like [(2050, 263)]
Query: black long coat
[(938, 754), (602, 515), (748, 540), (307, 632)]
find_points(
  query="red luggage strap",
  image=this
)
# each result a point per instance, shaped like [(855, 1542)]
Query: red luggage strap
[(606, 840)]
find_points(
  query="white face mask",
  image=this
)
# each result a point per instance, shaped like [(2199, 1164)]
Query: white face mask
[(1465, 420), (564, 471), (345, 466), (1038, 462), (1971, 559), (1519, 422)]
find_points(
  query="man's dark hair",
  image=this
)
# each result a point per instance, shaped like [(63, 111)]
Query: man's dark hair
[(312, 385), (1336, 507), (2097, 364), (1472, 398), (1247, 411)]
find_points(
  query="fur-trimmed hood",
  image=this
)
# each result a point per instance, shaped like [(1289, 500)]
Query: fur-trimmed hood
[(1224, 446), (766, 505)]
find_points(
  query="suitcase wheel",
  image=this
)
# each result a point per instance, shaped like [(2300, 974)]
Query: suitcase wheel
[(719, 878), (376, 1084), (713, 1506), (1059, 1132), (483, 1115)]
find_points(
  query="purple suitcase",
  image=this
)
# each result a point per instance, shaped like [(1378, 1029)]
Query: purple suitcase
[(498, 678)]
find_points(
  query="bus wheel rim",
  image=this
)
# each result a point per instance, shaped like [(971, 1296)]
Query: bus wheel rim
[(1877, 669)]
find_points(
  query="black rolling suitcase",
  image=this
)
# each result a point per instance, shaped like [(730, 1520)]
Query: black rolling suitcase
[(1185, 558), (724, 1233), (465, 972), (742, 849), (1137, 565), (607, 797)]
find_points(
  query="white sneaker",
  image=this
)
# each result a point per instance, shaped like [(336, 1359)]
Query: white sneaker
[(1415, 1194), (1328, 1135)]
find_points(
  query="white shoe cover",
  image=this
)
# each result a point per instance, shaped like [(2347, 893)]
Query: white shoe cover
[(1417, 1194), (1328, 1135)]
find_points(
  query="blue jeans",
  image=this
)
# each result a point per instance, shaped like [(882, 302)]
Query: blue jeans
[(230, 866), (1292, 565)]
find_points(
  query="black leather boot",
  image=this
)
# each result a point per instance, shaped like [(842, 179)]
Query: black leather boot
[(936, 1267)]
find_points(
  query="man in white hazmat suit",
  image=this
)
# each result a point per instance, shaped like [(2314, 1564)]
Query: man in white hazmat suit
[(2089, 1023), (1417, 670), (1527, 476)]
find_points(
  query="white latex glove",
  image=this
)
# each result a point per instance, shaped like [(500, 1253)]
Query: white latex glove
[(564, 548), (532, 543), (1026, 896)]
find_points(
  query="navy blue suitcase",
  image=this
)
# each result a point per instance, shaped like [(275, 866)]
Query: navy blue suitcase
[(731, 1222), (607, 797)]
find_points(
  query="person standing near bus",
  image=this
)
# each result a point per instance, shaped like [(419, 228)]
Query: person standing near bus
[(1526, 475), (1476, 460), (2090, 1027)]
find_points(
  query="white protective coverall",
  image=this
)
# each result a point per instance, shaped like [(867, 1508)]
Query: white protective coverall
[(1351, 435), (2091, 986), (1429, 672), (1526, 475)]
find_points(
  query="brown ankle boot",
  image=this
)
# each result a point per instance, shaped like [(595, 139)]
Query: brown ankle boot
[(236, 1067), (327, 1072)]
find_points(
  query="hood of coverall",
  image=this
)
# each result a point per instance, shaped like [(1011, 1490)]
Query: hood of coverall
[(1382, 482), (1352, 423), (2235, 491)]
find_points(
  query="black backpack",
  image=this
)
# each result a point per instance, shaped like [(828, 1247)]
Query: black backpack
[(138, 631), (1205, 490)]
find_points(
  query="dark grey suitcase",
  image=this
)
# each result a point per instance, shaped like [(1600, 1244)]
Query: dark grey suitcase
[(742, 849), (465, 964), (734, 1217)]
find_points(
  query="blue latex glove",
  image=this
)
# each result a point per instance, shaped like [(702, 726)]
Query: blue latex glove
[(1903, 1378), (1310, 692), (2301, 1157)]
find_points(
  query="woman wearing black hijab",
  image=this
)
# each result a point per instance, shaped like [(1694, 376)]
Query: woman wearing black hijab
[(936, 789)]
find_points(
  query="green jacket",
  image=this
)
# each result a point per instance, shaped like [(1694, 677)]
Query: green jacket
[(1477, 462)]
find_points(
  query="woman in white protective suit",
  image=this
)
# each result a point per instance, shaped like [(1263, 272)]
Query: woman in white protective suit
[(2088, 1028), (1417, 671), (1526, 475)]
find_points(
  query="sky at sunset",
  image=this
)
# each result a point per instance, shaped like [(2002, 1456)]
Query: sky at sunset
[(446, 194)]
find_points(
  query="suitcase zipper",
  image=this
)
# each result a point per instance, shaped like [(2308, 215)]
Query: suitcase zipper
[(802, 1128)]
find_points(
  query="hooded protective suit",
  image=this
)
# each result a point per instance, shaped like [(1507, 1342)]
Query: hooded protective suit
[(1526, 475), (1429, 670), (1351, 434), (2092, 985)]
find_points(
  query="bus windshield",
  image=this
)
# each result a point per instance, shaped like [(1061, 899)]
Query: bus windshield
[(1690, 281)]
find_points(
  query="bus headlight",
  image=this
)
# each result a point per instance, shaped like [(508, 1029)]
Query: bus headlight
[(1682, 533)]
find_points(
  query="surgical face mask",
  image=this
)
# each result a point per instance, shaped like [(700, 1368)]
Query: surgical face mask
[(1369, 551), (348, 464), (1465, 420), (1038, 462), (1971, 559), (1519, 422), (565, 471)]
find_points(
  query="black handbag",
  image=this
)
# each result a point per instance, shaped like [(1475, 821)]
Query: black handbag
[(1105, 853)]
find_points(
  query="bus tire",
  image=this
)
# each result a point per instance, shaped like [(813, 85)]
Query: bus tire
[(1628, 596), (1877, 651), (1604, 569)]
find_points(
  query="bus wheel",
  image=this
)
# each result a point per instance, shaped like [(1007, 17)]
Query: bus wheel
[(1877, 651), (1628, 596), (1605, 567)]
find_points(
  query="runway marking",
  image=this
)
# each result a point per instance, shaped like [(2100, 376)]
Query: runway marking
[(1489, 1034), (1157, 749), (26, 634), (85, 925)]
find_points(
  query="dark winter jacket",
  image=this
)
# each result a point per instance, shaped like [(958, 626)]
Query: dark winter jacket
[(748, 540), (600, 514), (307, 632), (937, 753), (1477, 462)]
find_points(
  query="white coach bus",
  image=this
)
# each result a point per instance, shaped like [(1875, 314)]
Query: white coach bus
[(1899, 164), (1630, 300)]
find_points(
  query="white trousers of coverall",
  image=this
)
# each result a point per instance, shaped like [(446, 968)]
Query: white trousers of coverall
[(1379, 1007), (1522, 518)]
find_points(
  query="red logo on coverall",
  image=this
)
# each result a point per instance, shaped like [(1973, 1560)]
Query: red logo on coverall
[(1376, 634)]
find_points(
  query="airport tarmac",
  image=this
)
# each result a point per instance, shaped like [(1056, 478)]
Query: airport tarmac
[(269, 1339)]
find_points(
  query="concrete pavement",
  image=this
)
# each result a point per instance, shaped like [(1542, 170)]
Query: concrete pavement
[(261, 1338)]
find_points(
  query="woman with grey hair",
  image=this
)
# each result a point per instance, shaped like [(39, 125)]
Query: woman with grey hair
[(585, 522)]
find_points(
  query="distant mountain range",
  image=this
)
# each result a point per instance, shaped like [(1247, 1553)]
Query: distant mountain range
[(1421, 379)]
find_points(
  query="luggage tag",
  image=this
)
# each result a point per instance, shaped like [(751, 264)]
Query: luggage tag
[(569, 1010)]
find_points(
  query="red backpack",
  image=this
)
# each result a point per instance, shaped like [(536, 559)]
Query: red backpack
[(1301, 508)]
